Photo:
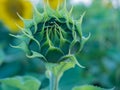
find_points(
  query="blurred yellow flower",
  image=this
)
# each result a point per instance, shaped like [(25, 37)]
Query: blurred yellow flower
[(9, 10), (107, 3), (54, 3)]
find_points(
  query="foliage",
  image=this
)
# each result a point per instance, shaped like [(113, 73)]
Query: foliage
[(20, 83), (100, 54), (88, 87)]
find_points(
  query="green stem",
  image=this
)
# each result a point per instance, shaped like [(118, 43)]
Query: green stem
[(55, 71), (54, 81)]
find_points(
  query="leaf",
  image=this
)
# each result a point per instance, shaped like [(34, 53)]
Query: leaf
[(88, 87), (36, 55), (60, 68), (84, 40), (22, 83), (53, 54), (71, 59), (22, 46), (4, 87), (2, 56)]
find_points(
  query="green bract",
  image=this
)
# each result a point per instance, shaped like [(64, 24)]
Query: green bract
[(53, 36)]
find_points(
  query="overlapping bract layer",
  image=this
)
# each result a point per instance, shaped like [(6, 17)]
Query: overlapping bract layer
[(52, 36)]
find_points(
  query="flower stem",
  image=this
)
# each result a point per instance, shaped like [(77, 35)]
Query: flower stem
[(54, 81), (55, 71)]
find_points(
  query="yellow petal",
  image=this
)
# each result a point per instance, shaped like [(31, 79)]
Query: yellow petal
[(54, 3), (9, 10)]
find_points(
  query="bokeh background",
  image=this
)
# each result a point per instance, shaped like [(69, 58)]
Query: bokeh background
[(100, 55)]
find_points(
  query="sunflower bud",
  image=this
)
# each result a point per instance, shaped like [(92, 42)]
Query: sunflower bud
[(53, 36)]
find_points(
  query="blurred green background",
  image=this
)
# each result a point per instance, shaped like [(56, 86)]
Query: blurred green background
[(100, 55)]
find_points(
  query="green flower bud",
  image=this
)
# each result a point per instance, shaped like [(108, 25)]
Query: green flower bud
[(53, 36)]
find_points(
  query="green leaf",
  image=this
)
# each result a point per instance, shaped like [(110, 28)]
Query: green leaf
[(22, 83), (60, 68), (7, 87), (2, 56), (27, 22), (64, 45), (75, 47), (84, 40), (88, 87), (22, 46), (37, 16), (53, 54), (71, 58), (36, 55)]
